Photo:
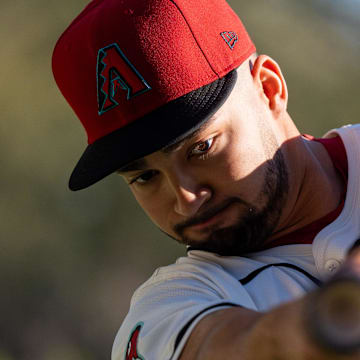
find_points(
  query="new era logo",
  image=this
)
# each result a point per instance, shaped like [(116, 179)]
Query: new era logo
[(230, 38)]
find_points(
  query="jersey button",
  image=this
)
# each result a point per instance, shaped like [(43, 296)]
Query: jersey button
[(332, 265)]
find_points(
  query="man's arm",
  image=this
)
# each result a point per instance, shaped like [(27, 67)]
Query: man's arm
[(282, 333)]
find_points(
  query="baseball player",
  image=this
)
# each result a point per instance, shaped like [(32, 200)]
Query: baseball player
[(175, 99)]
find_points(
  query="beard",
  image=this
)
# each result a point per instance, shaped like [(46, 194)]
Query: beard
[(252, 230)]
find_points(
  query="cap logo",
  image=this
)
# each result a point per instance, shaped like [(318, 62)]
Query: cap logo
[(131, 349), (116, 77), (230, 38)]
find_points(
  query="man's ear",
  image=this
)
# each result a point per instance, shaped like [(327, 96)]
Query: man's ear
[(270, 81)]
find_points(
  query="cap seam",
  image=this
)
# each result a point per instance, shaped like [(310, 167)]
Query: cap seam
[(196, 40)]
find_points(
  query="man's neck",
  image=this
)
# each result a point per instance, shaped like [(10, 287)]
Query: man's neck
[(317, 188)]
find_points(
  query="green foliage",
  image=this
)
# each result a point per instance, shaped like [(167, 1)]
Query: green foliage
[(5, 356)]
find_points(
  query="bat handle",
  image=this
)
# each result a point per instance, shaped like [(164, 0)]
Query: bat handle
[(333, 315)]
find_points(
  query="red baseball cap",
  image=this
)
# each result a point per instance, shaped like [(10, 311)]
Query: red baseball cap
[(143, 74)]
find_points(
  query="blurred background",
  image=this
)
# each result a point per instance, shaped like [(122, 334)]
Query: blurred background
[(69, 262)]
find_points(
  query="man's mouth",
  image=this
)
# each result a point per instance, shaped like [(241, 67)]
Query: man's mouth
[(210, 221)]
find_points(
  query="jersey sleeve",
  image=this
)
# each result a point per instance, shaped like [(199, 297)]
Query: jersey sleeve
[(165, 309)]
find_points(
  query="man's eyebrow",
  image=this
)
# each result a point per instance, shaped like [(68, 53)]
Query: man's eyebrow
[(171, 148), (141, 164)]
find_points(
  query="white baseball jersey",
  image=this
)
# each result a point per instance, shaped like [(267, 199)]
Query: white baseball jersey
[(166, 308)]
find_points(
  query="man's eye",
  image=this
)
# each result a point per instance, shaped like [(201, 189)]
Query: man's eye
[(202, 148), (143, 178)]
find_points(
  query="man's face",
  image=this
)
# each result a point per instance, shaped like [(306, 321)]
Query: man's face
[(224, 190)]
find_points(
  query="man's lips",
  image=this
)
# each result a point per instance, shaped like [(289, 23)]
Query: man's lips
[(211, 221)]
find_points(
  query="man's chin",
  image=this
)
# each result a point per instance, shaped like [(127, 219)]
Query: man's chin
[(230, 241)]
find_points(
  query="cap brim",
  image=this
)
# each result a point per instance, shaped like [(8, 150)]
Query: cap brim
[(162, 127)]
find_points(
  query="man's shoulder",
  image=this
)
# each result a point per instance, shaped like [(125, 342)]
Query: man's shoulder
[(343, 130), (172, 301), (184, 269)]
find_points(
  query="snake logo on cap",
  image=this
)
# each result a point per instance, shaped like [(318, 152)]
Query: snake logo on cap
[(117, 77)]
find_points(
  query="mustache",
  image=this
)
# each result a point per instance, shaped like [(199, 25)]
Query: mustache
[(207, 214)]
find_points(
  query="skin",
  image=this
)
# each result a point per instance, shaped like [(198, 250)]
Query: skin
[(241, 168)]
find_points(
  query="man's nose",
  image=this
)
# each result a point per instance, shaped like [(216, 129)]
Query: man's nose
[(190, 194)]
